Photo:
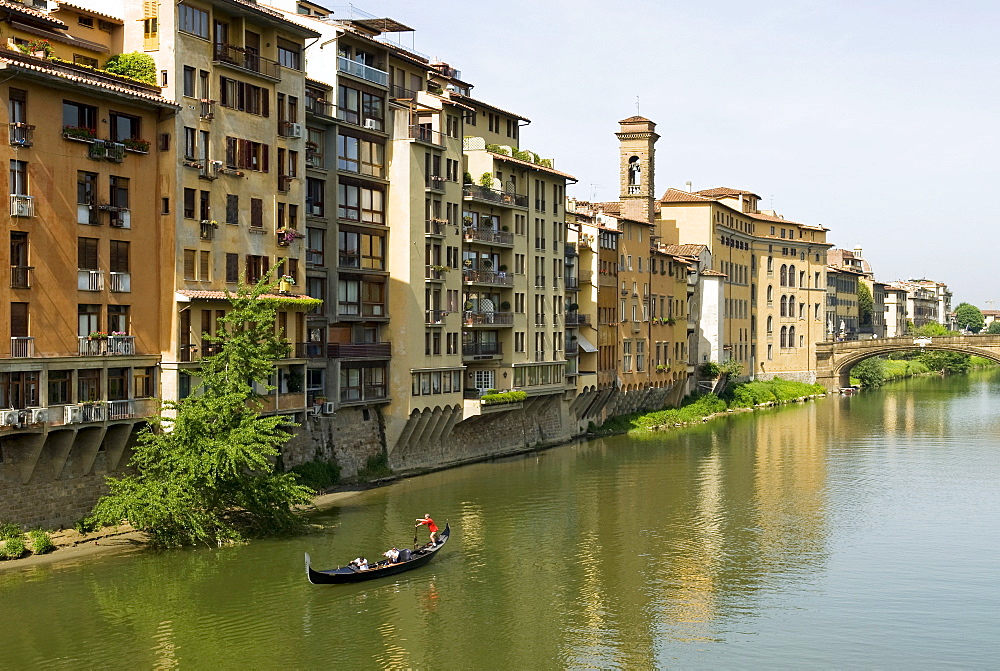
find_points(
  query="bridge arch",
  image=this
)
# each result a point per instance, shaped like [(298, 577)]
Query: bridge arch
[(836, 359)]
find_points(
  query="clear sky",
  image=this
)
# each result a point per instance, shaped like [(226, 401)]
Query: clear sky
[(878, 120)]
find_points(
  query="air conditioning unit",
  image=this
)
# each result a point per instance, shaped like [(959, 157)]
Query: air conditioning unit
[(8, 417), (73, 414), (39, 415), (294, 130), (371, 124), (313, 410), (329, 408)]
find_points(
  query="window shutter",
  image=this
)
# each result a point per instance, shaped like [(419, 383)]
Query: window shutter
[(119, 256), (19, 320), (189, 262), (231, 152), (249, 269), (266, 95), (232, 267), (264, 157), (256, 212), (266, 265)]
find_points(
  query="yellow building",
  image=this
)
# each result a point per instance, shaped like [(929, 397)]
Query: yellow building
[(80, 372)]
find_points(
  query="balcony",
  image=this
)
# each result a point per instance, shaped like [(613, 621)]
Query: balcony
[(22, 347), (488, 236), (369, 350), (283, 402), (577, 319), (20, 277), (426, 134), (362, 71), (435, 227), (90, 280), (492, 196), (397, 92), (121, 283), (247, 60), (435, 317), (363, 394), (130, 409), (20, 134), (487, 277), (284, 183), (571, 283), (314, 159), (207, 230), (571, 249), (189, 353), (114, 345), (607, 281), (435, 273), (572, 348), (309, 350), (22, 205), (320, 107), (482, 350), (207, 109), (118, 217), (586, 277), (480, 318), (435, 182), (106, 150)]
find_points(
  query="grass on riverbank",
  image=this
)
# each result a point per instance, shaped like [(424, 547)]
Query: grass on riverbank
[(697, 408)]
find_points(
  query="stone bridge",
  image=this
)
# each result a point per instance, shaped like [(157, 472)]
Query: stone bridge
[(834, 360)]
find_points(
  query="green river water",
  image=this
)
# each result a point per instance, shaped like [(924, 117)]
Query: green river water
[(850, 532)]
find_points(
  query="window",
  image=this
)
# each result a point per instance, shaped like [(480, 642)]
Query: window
[(189, 79), (76, 115), (17, 106), (360, 156), (118, 321), (289, 54), (189, 203), (89, 385), (86, 253), (118, 194), (60, 387), (315, 190), (190, 258), (256, 213), (80, 59), (257, 267), (360, 108), (19, 178), (247, 154), (119, 258), (190, 143), (142, 382), (192, 20), (88, 319), (232, 208), (244, 97), (232, 268), (86, 188)]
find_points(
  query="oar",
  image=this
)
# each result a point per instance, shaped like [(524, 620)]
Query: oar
[(415, 527)]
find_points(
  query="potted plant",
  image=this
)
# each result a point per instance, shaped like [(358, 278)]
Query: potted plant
[(486, 179), (79, 133), (136, 144), (37, 48), (467, 263), (505, 306), (503, 267), (505, 227), (573, 307), (487, 264), (467, 220), (285, 283), (98, 335), (319, 400), (468, 305)]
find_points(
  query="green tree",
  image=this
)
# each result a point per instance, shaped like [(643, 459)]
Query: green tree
[(946, 362), (206, 475), (931, 329), (993, 328), (135, 65), (968, 316), (870, 372), (866, 304)]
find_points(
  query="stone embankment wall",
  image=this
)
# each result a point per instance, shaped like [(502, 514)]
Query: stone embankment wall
[(349, 437)]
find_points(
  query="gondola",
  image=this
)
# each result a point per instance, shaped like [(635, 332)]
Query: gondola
[(348, 574)]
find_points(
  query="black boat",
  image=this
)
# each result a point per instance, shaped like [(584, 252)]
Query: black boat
[(347, 574)]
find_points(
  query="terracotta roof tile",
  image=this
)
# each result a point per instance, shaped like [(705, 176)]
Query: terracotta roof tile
[(713, 273), (223, 295), (65, 72), (679, 196), (33, 13), (635, 119), (722, 191), (511, 159), (456, 94), (685, 250), (85, 10)]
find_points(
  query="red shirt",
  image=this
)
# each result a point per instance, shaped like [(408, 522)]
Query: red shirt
[(430, 524)]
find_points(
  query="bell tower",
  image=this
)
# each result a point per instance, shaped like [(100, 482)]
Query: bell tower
[(636, 141)]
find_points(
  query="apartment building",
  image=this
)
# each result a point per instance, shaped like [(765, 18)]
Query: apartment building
[(941, 295), (774, 269), (873, 325), (231, 197), (80, 372)]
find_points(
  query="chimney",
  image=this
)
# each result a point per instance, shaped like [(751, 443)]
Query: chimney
[(857, 251), (688, 185)]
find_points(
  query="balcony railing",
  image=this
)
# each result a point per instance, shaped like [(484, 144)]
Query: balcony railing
[(309, 350), (435, 182), (20, 277), (607, 281), (435, 273), (571, 282), (489, 195), (121, 282), (368, 392), (571, 249), (480, 318), (118, 217), (207, 109), (106, 150), (20, 134), (193, 352), (90, 280), (435, 316), (370, 350), (131, 408), (487, 277), (247, 60), (22, 347), (488, 236), (21, 205), (577, 319), (426, 134), (110, 345), (363, 71), (435, 226), (482, 349), (572, 348), (321, 107), (398, 92)]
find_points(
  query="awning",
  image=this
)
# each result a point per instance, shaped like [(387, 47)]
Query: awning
[(585, 344)]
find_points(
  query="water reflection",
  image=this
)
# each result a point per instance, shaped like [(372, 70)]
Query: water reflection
[(684, 549)]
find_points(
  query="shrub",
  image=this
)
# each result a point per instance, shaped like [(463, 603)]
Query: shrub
[(40, 542), (86, 525), (318, 474), (12, 548), (503, 397), (377, 466), (710, 370), (135, 65), (9, 530), (870, 372)]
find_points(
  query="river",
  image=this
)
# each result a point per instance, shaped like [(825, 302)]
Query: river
[(848, 532)]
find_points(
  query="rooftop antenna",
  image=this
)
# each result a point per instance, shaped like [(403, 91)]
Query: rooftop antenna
[(593, 191), (990, 303), (637, 105)]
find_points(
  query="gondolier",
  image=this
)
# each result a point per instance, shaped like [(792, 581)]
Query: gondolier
[(433, 528)]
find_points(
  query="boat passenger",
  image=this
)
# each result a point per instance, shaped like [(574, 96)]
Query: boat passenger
[(363, 565), (433, 528), (392, 554)]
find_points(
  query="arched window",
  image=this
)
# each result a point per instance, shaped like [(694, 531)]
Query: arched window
[(791, 305), (783, 275), (770, 294), (784, 337), (770, 324), (791, 336), (791, 275), (770, 265), (784, 307)]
